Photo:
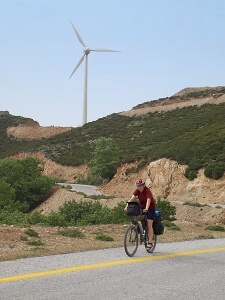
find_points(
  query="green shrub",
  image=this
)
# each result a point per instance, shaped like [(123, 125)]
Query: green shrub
[(204, 237), (56, 219), (170, 225), (98, 197), (13, 218), (72, 232), (36, 218), (104, 237), (195, 204), (105, 158), (89, 179), (118, 215), (192, 169), (215, 170), (25, 181), (24, 238), (35, 243), (168, 211), (87, 213), (215, 228), (174, 227), (31, 232)]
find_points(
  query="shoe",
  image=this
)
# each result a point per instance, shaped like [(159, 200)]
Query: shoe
[(149, 246)]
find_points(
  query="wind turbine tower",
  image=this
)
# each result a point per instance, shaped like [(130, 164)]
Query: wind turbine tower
[(87, 50)]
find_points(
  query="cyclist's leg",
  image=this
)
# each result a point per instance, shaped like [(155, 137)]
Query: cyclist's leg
[(150, 248), (150, 217), (150, 231)]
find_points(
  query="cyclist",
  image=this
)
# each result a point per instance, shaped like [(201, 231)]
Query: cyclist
[(147, 204)]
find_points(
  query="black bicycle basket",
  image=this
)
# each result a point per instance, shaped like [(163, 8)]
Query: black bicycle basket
[(133, 209)]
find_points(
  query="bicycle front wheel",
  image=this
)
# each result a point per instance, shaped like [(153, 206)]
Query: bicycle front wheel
[(131, 240), (154, 241)]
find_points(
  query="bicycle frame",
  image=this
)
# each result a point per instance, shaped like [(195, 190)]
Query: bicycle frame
[(131, 239)]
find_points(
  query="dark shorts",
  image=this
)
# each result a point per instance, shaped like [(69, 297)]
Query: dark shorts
[(151, 214)]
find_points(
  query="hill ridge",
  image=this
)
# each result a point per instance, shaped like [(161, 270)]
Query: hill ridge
[(31, 130)]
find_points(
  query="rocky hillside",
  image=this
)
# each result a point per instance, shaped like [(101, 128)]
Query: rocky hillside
[(165, 177), (184, 98), (166, 180)]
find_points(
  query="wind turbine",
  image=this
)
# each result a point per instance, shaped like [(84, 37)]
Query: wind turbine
[(87, 50)]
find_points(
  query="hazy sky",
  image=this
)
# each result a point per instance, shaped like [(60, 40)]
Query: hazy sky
[(165, 46)]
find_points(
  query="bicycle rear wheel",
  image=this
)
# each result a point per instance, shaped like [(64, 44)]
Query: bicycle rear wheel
[(154, 241), (131, 240)]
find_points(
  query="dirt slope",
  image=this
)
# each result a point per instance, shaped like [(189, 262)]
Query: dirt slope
[(31, 130)]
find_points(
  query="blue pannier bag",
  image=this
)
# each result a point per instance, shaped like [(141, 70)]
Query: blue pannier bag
[(157, 225)]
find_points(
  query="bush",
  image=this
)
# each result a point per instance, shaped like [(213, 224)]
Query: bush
[(8, 198), (72, 232), (104, 237), (167, 210), (215, 170), (89, 179), (36, 218), (195, 204), (215, 228), (31, 232), (55, 219), (105, 159), (170, 225), (26, 184), (86, 213), (83, 213), (35, 243), (192, 170), (13, 218)]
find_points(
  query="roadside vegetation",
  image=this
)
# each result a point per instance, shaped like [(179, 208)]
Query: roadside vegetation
[(23, 187)]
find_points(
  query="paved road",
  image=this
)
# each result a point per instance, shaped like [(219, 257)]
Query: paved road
[(209, 204), (185, 270), (86, 189)]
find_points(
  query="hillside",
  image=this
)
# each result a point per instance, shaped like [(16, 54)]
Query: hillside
[(157, 141), (31, 130)]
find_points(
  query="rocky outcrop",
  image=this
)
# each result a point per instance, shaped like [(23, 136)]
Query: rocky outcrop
[(167, 181)]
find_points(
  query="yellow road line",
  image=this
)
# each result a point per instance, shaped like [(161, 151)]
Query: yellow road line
[(105, 264)]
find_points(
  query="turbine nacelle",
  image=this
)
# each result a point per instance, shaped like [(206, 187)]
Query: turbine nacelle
[(87, 50)]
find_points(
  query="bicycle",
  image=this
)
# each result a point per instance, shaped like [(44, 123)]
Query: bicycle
[(137, 231)]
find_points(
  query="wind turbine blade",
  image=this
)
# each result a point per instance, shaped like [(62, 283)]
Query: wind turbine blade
[(78, 36), (77, 66), (104, 50)]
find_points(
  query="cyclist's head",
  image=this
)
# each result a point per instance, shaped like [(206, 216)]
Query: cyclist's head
[(140, 182)]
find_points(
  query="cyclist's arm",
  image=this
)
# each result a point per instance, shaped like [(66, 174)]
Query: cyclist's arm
[(147, 205)]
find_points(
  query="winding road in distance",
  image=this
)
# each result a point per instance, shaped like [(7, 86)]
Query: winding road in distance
[(82, 188), (93, 190)]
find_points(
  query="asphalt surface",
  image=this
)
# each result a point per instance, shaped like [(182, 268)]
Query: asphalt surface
[(86, 189), (184, 270)]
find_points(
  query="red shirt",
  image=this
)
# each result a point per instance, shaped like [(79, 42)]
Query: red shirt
[(143, 196)]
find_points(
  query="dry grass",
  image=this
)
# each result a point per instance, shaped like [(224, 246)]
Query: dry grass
[(14, 247)]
